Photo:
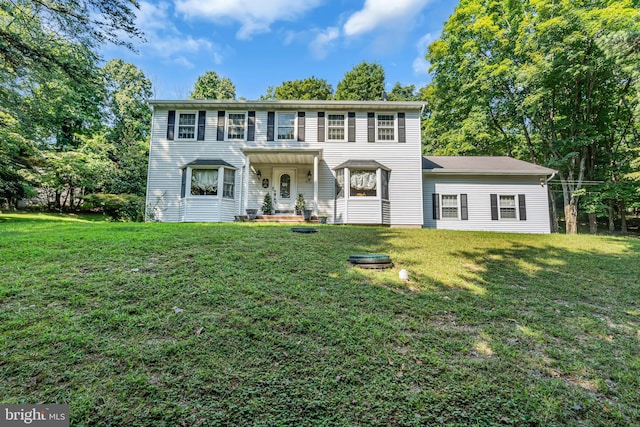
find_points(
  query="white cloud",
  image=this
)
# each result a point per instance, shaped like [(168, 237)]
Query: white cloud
[(420, 64), (165, 40), (397, 15), (321, 43), (254, 16)]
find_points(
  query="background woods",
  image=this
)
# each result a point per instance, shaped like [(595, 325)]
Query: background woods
[(556, 84)]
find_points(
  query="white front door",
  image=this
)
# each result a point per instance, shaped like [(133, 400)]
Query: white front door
[(286, 189)]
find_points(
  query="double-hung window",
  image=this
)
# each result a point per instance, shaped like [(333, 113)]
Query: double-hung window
[(229, 184), (507, 207), (386, 127), (286, 126), (186, 125), (335, 127), (449, 206), (236, 126)]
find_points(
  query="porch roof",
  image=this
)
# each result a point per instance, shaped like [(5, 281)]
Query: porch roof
[(366, 164), (287, 156), (209, 162)]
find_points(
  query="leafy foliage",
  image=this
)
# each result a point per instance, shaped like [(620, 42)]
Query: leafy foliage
[(532, 80), (211, 86), (311, 88), (118, 207), (365, 82)]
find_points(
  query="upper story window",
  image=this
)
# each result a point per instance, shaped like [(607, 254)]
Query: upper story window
[(386, 127), (335, 127), (286, 126), (186, 125), (236, 126)]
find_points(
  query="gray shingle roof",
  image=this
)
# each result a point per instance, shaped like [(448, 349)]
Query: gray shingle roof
[(365, 164), (209, 162), (482, 165)]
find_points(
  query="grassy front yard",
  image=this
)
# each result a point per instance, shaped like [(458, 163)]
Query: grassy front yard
[(276, 327)]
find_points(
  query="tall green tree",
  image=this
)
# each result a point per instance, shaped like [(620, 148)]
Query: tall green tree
[(403, 93), (127, 118), (311, 88), (530, 80), (365, 82), (211, 86)]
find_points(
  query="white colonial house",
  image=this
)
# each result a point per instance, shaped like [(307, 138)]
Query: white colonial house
[(357, 162)]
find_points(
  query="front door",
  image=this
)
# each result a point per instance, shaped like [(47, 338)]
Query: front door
[(286, 189)]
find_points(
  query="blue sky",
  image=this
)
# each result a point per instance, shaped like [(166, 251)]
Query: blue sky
[(261, 43)]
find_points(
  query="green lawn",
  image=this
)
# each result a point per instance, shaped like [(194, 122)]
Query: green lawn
[(278, 329)]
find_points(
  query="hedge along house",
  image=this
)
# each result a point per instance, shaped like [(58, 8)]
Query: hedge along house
[(358, 162)]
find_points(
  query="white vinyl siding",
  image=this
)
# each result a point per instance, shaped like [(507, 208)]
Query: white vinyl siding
[(479, 190), (404, 207)]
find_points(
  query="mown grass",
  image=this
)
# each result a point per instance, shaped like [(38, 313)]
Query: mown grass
[(278, 329)]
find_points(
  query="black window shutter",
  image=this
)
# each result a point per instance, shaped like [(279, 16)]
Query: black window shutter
[(202, 118), (371, 127), (464, 212), (522, 205), (271, 121), (251, 126), (301, 117), (351, 127), (435, 197), (220, 135), (171, 124), (183, 188), (320, 126), (494, 207), (402, 137)]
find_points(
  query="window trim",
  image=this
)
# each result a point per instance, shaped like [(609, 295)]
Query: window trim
[(295, 125), (345, 126), (177, 125), (442, 207), (395, 127), (221, 183), (228, 123), (515, 207)]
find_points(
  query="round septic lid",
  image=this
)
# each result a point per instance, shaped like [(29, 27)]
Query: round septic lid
[(370, 258), (304, 230)]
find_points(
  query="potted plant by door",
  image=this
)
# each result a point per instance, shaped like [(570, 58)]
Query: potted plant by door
[(267, 204), (300, 204)]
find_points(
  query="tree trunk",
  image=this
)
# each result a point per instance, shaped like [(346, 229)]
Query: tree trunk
[(623, 217), (571, 216), (593, 223), (612, 223), (554, 212)]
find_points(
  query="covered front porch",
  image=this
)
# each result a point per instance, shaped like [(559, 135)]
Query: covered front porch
[(284, 174)]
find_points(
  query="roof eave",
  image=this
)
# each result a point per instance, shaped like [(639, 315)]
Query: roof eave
[(282, 105), (486, 172)]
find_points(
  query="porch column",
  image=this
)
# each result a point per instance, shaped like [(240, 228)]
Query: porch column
[(315, 184), (245, 189)]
